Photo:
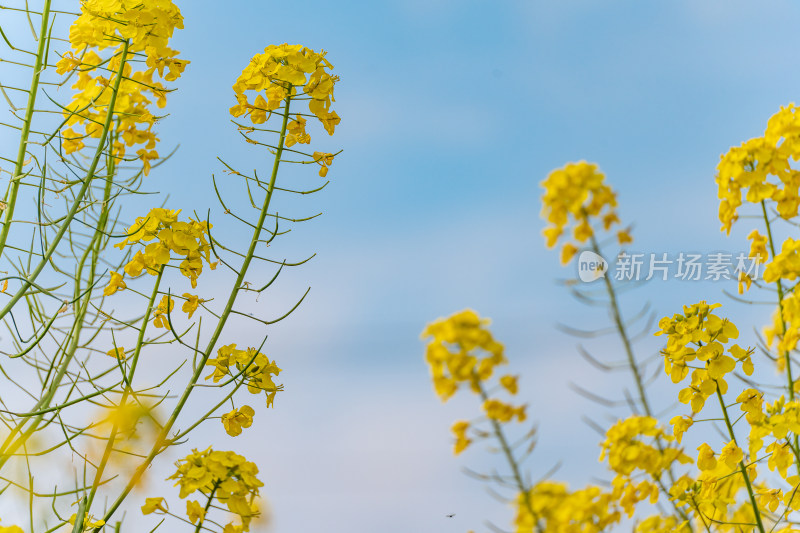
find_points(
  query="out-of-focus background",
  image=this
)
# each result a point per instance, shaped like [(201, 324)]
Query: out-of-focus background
[(452, 114)]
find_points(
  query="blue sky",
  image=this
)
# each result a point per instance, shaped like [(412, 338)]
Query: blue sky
[(452, 114)]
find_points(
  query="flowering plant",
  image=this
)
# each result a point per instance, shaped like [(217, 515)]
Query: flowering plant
[(97, 350)]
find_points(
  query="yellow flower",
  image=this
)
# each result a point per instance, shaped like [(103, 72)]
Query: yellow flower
[(231, 474), (758, 248), (160, 314), (583, 231), (116, 283), (743, 356), (195, 511), (146, 156), (258, 369), (67, 63), (769, 498), (745, 281), (297, 132), (461, 349), (147, 28), (627, 450), (152, 505), (232, 528), (502, 412), (11, 529), (118, 353), (556, 508), (574, 195), (624, 237), (662, 524), (760, 168), (278, 72), (731, 455), (88, 522), (780, 458), (700, 334), (720, 366), (679, 426), (705, 457), (72, 142), (237, 419), (191, 304), (459, 429), (136, 265), (609, 220), (786, 325), (786, 264), (509, 383), (189, 239), (226, 356), (568, 251), (324, 160)]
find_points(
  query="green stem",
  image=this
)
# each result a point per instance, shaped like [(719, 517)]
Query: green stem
[(781, 296), (524, 490), (618, 322), (128, 390), (742, 467), (637, 376), (16, 177), (795, 444), (207, 507)]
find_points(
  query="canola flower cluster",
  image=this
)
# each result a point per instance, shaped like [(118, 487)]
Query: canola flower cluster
[(277, 73), (186, 239), (557, 509), (785, 267), (574, 196), (636, 446), (724, 473), (760, 169), (785, 328), (143, 28), (454, 352), (699, 335), (462, 350), (257, 371), (226, 477), (722, 494), (725, 492), (639, 453)]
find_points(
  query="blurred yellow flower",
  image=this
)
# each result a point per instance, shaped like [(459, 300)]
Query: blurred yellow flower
[(152, 505), (705, 457), (509, 383), (459, 429), (574, 195), (195, 511)]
